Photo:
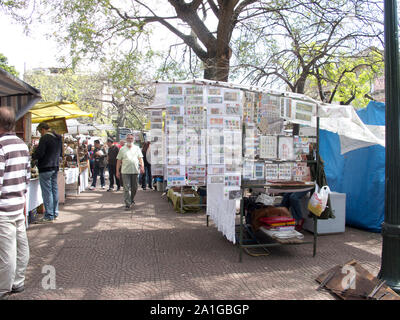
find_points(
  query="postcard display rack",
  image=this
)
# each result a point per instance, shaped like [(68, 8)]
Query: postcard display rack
[(200, 144), (276, 161), (229, 139)]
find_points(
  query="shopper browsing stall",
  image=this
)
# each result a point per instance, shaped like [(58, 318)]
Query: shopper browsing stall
[(99, 157), (14, 179), (112, 164), (129, 159), (147, 166), (48, 155)]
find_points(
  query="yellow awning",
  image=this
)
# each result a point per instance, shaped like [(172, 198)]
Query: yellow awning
[(43, 111)]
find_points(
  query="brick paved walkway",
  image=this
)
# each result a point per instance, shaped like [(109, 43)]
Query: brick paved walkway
[(100, 251)]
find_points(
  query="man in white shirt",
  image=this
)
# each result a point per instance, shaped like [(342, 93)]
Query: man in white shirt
[(130, 160)]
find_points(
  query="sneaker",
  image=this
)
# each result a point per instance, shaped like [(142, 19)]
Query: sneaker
[(103, 187), (127, 208), (110, 189), (92, 188), (44, 220), (119, 188), (18, 290)]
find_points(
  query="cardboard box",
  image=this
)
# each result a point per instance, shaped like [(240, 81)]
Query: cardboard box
[(337, 225)]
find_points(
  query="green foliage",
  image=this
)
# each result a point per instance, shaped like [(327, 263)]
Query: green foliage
[(5, 66), (19, 4), (350, 79), (68, 85), (286, 47)]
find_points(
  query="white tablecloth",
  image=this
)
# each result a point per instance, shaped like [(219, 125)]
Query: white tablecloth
[(34, 195), (84, 180), (71, 175)]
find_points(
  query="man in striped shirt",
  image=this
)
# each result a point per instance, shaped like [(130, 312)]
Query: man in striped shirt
[(14, 179)]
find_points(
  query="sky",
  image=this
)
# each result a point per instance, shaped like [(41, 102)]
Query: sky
[(26, 52)]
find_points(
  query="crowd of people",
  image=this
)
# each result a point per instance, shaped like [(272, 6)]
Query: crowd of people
[(127, 164)]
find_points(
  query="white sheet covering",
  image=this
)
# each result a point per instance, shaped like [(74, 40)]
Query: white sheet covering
[(223, 212), (353, 133)]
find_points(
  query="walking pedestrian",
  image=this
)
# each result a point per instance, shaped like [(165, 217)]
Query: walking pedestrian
[(99, 156), (91, 160), (112, 164), (129, 159), (147, 166), (48, 155), (14, 178), (121, 144)]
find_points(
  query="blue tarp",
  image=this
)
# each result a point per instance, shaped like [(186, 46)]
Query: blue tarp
[(360, 174)]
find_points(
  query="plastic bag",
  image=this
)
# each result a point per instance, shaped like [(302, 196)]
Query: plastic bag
[(265, 199), (318, 200)]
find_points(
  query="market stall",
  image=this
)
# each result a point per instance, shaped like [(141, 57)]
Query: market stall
[(74, 169), (229, 137)]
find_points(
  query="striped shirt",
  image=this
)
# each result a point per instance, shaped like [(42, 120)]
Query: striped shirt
[(15, 173)]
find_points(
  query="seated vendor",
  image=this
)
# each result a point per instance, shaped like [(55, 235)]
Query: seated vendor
[(293, 199)]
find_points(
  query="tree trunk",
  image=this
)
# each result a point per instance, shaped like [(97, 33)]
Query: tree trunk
[(216, 69), (218, 52), (300, 85)]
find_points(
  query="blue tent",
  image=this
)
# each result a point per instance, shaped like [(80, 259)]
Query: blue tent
[(360, 174)]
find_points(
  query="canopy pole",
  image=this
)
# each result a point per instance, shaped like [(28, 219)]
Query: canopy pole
[(63, 153), (390, 260)]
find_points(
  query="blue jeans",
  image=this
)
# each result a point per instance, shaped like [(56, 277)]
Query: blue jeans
[(146, 177), (49, 186), (98, 171), (294, 200)]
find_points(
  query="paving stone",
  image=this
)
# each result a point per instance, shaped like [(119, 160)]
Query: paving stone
[(100, 251)]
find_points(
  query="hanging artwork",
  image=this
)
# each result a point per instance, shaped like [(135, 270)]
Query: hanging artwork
[(285, 171), (216, 179), (249, 107), (215, 122), (271, 171), (231, 123), (232, 182), (196, 175), (231, 95), (301, 172), (176, 176), (233, 109), (259, 170), (248, 169), (285, 148), (286, 108), (216, 170), (215, 109), (175, 90), (174, 110), (303, 112), (214, 99), (268, 147)]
